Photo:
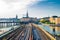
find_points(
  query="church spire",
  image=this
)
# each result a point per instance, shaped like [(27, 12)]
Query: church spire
[(16, 16), (27, 14)]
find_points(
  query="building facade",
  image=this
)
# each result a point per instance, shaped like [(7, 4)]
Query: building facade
[(28, 19), (52, 20), (55, 27), (55, 20), (8, 22)]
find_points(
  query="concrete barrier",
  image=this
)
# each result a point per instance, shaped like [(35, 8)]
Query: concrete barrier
[(49, 35)]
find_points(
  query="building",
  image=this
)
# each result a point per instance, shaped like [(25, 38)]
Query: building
[(54, 19), (25, 19), (7, 22), (57, 20), (9, 19), (55, 27), (28, 19)]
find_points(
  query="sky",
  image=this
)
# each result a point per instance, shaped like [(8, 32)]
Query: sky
[(36, 8)]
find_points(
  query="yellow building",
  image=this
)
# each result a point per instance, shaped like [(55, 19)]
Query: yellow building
[(52, 20), (57, 20)]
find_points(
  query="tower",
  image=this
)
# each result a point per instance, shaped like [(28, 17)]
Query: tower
[(27, 15), (16, 17)]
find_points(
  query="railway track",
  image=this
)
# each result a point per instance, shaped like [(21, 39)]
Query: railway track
[(41, 34), (27, 32), (22, 33), (22, 36), (13, 34), (36, 35), (25, 35)]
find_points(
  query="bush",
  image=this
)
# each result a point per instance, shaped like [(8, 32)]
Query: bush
[(46, 21)]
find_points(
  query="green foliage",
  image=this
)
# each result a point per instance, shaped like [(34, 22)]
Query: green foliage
[(46, 21)]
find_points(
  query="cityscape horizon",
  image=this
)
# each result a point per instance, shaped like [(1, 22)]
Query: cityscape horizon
[(29, 19)]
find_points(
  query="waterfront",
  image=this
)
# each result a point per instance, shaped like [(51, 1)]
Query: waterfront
[(49, 29)]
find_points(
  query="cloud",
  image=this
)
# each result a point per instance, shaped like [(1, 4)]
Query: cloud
[(9, 7)]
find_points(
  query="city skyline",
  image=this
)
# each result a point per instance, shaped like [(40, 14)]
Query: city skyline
[(36, 8)]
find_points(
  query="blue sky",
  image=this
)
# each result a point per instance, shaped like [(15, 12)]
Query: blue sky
[(45, 8), (36, 8)]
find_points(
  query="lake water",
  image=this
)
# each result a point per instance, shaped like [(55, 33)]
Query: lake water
[(47, 28)]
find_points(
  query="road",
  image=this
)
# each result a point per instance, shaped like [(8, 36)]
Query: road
[(27, 32)]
